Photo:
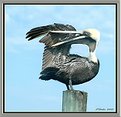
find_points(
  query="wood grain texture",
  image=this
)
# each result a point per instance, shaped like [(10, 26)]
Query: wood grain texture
[(74, 101)]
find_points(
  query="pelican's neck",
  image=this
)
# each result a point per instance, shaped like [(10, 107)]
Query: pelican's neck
[(92, 57)]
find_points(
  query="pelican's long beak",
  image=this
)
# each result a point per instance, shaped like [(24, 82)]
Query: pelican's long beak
[(69, 41), (61, 32)]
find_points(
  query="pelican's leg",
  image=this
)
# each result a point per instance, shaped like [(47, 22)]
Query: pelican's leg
[(70, 83), (67, 87)]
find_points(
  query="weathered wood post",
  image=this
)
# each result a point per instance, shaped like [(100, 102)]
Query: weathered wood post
[(74, 101)]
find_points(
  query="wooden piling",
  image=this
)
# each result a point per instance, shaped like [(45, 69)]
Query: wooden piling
[(74, 101)]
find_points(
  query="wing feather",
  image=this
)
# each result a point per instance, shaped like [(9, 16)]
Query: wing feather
[(50, 39), (47, 57)]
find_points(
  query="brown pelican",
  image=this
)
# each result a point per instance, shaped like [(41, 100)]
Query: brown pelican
[(58, 63)]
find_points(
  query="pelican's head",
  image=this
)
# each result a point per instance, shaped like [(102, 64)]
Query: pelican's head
[(92, 33), (92, 39)]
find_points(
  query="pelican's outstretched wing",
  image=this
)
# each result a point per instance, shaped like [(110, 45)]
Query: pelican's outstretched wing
[(51, 38), (53, 33), (39, 31)]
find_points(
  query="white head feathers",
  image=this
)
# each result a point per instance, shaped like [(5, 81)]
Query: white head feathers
[(93, 33)]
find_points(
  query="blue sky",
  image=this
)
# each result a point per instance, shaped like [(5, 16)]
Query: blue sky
[(24, 91)]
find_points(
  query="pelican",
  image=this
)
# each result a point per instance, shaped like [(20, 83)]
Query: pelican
[(58, 63)]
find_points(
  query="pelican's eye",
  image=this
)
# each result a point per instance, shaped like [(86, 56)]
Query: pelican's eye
[(87, 33)]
